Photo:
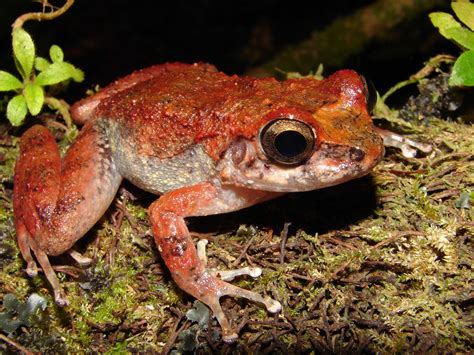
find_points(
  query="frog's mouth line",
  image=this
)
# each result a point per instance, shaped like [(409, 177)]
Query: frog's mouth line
[(333, 164)]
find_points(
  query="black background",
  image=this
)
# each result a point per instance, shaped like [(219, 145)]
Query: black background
[(108, 39)]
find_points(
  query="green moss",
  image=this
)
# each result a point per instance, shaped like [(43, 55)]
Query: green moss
[(112, 302), (8, 151), (118, 348)]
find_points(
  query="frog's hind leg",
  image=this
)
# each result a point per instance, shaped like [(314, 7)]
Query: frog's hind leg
[(23, 238), (42, 257), (57, 201), (188, 266), (26, 245)]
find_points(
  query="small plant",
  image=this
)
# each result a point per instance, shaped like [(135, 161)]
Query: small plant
[(449, 27), (36, 73)]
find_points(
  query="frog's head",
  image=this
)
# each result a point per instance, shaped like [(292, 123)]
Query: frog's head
[(318, 142)]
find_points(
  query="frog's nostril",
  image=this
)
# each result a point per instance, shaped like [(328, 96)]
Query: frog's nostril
[(356, 154)]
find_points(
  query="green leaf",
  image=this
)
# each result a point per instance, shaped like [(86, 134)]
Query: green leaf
[(9, 82), (188, 340), (33, 304), (17, 110), (463, 70), (452, 29), (78, 75), (56, 54), (443, 22), (465, 12), (41, 63), (462, 36), (8, 324), (34, 96), (24, 51), (56, 73)]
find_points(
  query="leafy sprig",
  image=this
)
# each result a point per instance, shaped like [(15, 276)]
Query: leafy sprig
[(463, 69), (36, 73)]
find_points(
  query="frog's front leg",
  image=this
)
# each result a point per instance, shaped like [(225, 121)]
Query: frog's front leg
[(408, 146), (177, 250), (56, 202)]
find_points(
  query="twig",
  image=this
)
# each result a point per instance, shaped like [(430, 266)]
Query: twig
[(117, 219), (317, 301), (174, 335), (41, 16), (445, 194), (396, 236), (452, 156), (15, 345), (354, 32), (284, 237), (62, 107), (429, 67), (244, 251)]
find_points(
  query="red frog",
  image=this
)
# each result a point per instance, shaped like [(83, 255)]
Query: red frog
[(206, 142)]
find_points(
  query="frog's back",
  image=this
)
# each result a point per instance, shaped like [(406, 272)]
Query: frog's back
[(175, 108), (179, 105)]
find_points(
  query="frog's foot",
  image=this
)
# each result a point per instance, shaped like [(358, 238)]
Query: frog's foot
[(225, 275), (209, 288), (79, 258), (23, 236), (27, 244), (408, 147), (59, 296), (31, 269), (188, 265)]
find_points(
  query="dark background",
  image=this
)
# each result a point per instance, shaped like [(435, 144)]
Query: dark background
[(108, 39)]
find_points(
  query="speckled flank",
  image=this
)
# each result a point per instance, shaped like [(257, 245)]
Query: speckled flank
[(154, 174)]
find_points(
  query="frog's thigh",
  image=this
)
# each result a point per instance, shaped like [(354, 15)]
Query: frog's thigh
[(56, 202), (176, 246)]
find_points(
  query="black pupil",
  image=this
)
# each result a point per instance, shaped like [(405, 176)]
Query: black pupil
[(290, 143)]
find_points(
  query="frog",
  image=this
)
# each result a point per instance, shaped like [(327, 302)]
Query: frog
[(207, 143)]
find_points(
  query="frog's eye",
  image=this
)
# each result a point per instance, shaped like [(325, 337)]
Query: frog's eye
[(370, 93), (287, 141)]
